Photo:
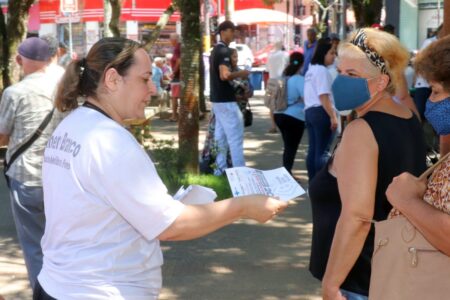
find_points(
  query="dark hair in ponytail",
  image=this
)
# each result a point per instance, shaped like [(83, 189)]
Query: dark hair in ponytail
[(296, 60), (82, 77)]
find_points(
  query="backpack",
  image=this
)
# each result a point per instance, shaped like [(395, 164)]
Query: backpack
[(276, 96)]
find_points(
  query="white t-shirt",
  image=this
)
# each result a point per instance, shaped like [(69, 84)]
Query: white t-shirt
[(276, 63), (420, 81), (318, 82), (104, 205)]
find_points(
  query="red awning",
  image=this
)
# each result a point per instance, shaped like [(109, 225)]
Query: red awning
[(242, 4), (92, 10)]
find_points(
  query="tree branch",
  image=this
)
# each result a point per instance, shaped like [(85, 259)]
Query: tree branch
[(162, 22)]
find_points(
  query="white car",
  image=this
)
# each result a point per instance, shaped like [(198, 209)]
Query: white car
[(245, 55)]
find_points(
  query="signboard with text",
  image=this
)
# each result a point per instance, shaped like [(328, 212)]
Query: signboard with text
[(69, 6)]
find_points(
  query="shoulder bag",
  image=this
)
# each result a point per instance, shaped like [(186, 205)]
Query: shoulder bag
[(405, 265), (26, 145)]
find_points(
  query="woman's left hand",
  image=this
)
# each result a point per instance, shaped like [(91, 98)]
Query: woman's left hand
[(404, 188)]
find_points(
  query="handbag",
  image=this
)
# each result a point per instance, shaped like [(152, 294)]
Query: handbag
[(405, 265), (26, 145), (248, 115)]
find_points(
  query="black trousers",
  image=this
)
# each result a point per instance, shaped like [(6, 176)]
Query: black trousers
[(40, 294), (291, 131)]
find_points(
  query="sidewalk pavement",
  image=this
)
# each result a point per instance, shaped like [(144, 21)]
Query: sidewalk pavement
[(245, 260)]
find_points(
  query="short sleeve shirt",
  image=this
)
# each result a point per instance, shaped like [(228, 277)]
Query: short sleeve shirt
[(23, 107), (318, 82), (156, 78), (221, 90), (105, 206)]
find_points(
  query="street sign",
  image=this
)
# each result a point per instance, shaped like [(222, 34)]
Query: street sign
[(69, 6), (75, 18)]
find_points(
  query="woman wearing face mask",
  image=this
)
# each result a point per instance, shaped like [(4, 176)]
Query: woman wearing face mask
[(320, 116), (407, 193), (383, 142)]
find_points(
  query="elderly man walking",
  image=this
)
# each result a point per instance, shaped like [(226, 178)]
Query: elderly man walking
[(26, 111)]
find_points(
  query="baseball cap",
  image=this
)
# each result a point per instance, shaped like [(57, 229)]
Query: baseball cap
[(35, 48)]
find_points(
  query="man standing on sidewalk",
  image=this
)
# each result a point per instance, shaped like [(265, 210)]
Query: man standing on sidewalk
[(308, 48), (23, 108), (229, 129)]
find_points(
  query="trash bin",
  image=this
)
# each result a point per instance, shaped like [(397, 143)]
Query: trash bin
[(255, 79)]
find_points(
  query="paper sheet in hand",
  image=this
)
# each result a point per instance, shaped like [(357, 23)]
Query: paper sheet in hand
[(195, 195), (278, 183)]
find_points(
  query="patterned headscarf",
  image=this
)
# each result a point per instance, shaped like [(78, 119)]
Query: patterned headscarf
[(360, 41)]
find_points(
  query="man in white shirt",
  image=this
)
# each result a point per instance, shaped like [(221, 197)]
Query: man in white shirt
[(276, 63)]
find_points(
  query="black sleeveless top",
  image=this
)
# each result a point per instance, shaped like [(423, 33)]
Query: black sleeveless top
[(401, 148)]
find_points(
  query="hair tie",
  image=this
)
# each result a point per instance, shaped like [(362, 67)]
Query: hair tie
[(82, 66), (360, 41), (295, 62)]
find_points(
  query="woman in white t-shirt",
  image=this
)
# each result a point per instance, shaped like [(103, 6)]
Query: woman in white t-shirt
[(106, 207), (320, 116)]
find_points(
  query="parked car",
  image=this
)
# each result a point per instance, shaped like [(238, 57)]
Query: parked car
[(245, 55)]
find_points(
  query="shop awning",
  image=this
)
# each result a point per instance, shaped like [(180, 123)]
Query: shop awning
[(92, 10), (261, 16)]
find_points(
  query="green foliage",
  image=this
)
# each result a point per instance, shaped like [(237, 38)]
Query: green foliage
[(165, 156)]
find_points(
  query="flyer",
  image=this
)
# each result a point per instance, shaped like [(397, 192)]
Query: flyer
[(277, 183)]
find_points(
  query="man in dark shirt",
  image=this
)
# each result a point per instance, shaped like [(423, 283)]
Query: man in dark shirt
[(229, 130)]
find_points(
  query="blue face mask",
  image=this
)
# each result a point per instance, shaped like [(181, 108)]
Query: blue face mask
[(350, 92), (438, 114)]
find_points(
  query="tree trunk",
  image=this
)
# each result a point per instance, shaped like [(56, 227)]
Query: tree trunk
[(162, 22), (367, 12), (3, 47), (15, 32), (188, 125), (446, 17), (116, 7), (107, 16)]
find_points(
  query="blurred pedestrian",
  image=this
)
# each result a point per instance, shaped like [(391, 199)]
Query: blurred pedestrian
[(26, 122), (53, 69), (309, 47), (383, 142), (64, 57), (229, 129), (291, 121), (320, 115), (103, 196), (276, 63), (175, 87)]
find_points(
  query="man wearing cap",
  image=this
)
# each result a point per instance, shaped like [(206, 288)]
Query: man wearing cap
[(229, 128), (23, 107)]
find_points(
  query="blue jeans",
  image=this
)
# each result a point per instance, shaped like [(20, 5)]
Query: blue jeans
[(320, 137), (27, 205), (353, 296)]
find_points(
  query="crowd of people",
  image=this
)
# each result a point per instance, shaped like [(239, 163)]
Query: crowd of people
[(69, 155)]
